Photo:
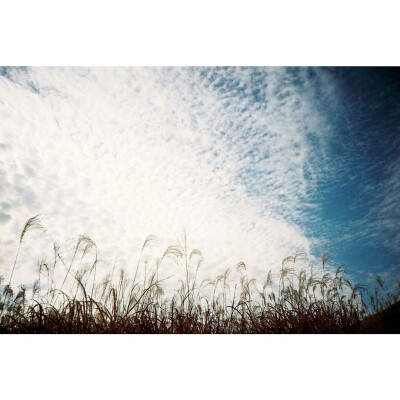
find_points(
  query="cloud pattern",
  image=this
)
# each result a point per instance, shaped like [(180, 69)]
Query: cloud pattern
[(235, 156)]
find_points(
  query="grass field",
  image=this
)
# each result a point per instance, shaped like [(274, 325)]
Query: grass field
[(301, 299)]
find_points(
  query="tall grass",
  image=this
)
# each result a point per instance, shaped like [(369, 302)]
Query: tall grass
[(299, 298)]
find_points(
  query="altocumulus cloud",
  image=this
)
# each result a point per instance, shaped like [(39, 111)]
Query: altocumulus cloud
[(231, 155)]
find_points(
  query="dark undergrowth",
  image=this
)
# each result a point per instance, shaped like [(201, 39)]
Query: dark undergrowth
[(298, 299)]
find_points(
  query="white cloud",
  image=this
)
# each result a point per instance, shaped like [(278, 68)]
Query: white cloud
[(120, 153)]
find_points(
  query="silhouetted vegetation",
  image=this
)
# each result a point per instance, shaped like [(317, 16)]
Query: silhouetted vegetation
[(299, 299)]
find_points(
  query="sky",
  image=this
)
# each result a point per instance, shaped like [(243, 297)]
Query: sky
[(253, 163)]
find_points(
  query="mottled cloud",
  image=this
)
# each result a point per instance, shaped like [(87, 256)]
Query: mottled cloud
[(231, 155)]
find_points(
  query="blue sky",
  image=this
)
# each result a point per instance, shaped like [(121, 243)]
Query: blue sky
[(360, 199), (255, 163)]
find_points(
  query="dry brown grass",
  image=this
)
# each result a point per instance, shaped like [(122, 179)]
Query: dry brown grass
[(298, 299)]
